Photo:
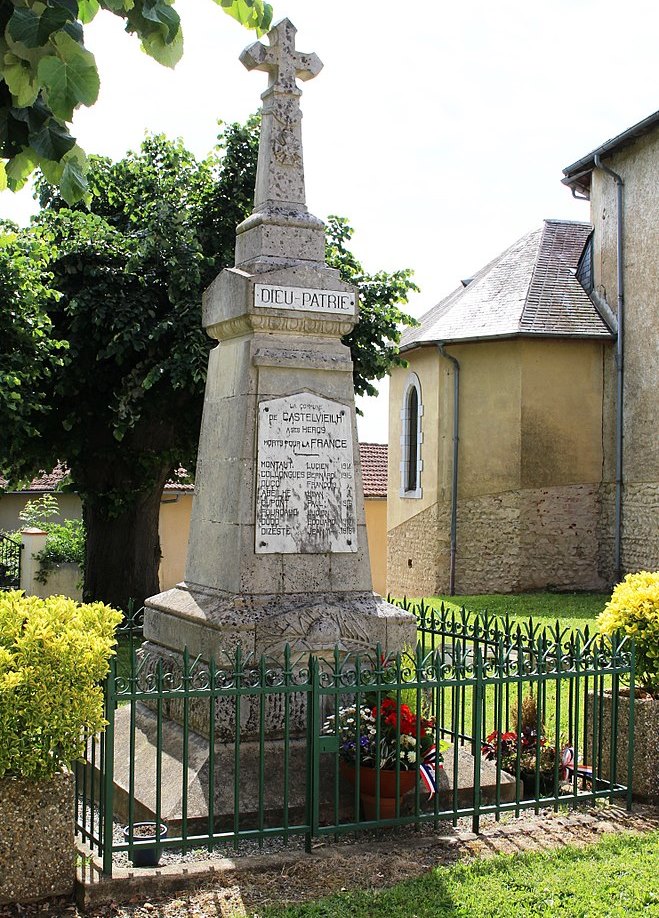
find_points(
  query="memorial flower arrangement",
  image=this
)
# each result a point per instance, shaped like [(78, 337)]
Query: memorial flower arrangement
[(390, 726), (534, 752)]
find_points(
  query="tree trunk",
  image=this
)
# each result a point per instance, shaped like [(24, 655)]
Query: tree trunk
[(123, 550)]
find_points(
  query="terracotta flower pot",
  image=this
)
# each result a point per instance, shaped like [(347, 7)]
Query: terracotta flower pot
[(368, 788)]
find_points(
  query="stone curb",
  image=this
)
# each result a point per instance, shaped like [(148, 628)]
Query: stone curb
[(94, 889)]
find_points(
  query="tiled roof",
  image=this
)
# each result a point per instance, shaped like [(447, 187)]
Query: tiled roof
[(373, 459), (530, 289), (50, 481), (374, 468)]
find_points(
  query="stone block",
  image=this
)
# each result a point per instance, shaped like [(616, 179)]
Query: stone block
[(37, 854), (645, 751)]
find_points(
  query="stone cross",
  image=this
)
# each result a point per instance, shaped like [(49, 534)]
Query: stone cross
[(281, 60), (280, 171)]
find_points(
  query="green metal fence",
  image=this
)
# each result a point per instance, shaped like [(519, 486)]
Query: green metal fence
[(232, 749)]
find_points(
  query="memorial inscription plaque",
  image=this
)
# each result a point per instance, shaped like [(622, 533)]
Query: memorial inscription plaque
[(305, 499), (341, 302)]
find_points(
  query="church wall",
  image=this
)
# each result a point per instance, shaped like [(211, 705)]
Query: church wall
[(529, 472), (423, 362), (638, 165)]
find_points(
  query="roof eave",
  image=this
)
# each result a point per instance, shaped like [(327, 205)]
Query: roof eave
[(575, 174), (607, 336)]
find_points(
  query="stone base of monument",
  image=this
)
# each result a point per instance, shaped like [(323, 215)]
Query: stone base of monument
[(274, 759), (212, 623)]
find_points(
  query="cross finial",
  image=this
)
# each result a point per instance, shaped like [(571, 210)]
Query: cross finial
[(280, 60)]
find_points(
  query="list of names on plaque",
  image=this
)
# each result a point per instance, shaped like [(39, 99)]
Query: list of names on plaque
[(305, 485)]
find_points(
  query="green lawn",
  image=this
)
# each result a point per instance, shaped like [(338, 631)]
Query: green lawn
[(614, 878), (574, 609)]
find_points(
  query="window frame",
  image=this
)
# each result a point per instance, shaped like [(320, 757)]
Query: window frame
[(412, 384)]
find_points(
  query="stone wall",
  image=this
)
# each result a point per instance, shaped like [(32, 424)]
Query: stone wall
[(637, 163), (418, 554), (645, 778), (640, 531), (37, 857), (544, 538)]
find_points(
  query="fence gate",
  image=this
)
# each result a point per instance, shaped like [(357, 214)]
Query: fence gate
[(10, 563)]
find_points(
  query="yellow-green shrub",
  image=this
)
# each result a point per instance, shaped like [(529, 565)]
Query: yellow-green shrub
[(634, 610), (53, 655)]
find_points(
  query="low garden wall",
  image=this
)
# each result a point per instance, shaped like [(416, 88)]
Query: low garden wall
[(37, 857)]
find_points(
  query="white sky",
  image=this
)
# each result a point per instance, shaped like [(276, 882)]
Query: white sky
[(439, 130)]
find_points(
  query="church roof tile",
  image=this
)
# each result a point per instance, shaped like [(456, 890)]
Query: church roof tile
[(530, 289)]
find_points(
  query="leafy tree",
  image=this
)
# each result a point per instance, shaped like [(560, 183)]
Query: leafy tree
[(373, 341), (30, 353), (125, 409), (46, 73)]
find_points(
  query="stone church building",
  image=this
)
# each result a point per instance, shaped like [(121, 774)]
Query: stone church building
[(520, 457)]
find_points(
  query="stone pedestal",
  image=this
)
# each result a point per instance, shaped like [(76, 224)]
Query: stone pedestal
[(277, 762)]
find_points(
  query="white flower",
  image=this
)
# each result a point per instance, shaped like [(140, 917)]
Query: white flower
[(411, 757)]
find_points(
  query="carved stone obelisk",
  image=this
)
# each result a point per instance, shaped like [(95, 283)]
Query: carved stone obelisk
[(278, 551)]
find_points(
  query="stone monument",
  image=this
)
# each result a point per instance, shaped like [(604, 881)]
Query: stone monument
[(278, 551)]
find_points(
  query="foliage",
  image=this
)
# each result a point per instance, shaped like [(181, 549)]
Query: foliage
[(65, 543), (37, 512), (373, 341), (390, 727), (614, 878), (46, 72), (53, 654), (30, 352), (529, 745), (634, 610)]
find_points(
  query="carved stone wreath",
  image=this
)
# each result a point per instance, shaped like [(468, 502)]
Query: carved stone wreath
[(287, 148)]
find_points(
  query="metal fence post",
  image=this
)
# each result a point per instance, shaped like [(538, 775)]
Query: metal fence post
[(479, 695), (313, 763), (105, 831), (630, 737)]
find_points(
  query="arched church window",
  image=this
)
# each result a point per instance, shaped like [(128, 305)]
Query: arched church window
[(411, 439)]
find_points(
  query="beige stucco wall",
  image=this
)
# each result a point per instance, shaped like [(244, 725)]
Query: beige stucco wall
[(529, 470), (638, 165), (12, 503), (175, 526), (376, 531), (175, 511)]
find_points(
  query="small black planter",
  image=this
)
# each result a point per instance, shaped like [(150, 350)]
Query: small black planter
[(145, 857), (546, 784)]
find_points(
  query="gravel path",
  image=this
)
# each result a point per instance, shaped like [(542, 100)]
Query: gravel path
[(331, 868)]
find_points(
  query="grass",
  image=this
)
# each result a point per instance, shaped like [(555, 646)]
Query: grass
[(613, 878), (574, 609)]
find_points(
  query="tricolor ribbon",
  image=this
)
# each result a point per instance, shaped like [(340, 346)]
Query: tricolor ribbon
[(427, 771)]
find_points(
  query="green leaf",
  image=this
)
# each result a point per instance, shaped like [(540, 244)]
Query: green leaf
[(21, 80), (52, 140), (52, 170), (87, 9), (52, 19), (24, 27), (3, 176), (74, 180), (253, 14), (162, 13), (70, 78), (166, 53), (19, 168)]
